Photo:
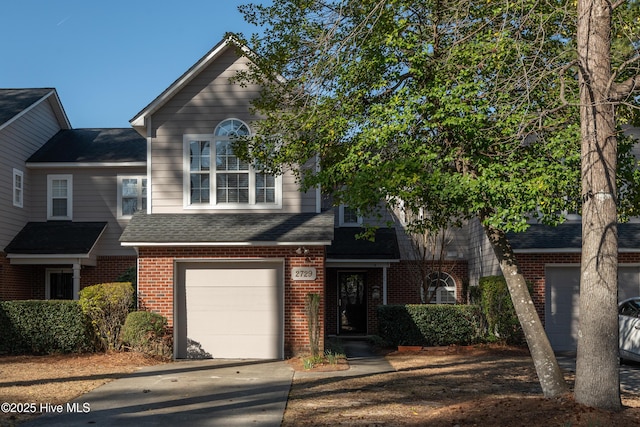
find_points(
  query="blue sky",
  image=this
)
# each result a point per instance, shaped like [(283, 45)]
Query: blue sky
[(109, 59)]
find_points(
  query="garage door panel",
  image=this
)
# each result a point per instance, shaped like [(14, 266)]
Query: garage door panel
[(562, 301), (231, 310), (231, 298)]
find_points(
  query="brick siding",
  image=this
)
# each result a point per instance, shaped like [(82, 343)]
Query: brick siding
[(156, 283)]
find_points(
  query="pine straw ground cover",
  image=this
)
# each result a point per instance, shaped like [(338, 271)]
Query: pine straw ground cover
[(445, 386), (58, 379)]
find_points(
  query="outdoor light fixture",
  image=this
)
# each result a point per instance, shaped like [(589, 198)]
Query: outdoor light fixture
[(375, 292), (302, 250)]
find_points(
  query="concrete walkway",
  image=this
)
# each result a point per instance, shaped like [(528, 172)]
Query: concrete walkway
[(202, 393), (190, 393), (362, 361)]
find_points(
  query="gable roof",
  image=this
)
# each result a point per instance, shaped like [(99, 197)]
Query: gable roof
[(16, 102), (56, 238), (226, 229), (567, 237), (229, 41), (92, 146)]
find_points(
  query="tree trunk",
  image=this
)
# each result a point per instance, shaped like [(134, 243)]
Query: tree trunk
[(549, 372), (597, 366)]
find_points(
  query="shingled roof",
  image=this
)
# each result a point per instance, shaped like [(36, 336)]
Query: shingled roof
[(56, 238), (92, 146), (347, 245), (14, 101), (568, 236), (223, 228)]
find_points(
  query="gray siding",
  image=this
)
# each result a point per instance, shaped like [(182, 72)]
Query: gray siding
[(197, 109), (95, 198), (482, 261), (18, 141)]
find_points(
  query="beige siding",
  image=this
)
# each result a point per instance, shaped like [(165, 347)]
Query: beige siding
[(197, 109), (95, 192), (18, 141)]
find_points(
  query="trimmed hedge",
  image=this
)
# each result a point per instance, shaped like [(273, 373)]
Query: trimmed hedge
[(430, 324), (497, 307), (44, 327), (144, 331), (107, 305)]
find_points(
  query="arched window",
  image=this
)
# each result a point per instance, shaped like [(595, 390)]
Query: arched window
[(218, 178), (444, 287)]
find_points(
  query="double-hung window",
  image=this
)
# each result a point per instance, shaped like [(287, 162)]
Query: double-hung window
[(18, 188), (132, 195), (218, 178), (59, 197)]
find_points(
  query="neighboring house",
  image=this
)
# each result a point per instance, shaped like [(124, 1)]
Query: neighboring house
[(62, 213), (549, 258)]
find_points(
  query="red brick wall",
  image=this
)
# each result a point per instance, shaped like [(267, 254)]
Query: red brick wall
[(108, 269), (403, 281), (17, 282), (533, 269), (401, 289), (156, 287), (21, 282)]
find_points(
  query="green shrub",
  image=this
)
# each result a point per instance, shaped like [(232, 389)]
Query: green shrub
[(44, 327), (497, 307), (430, 324), (107, 305), (144, 331)]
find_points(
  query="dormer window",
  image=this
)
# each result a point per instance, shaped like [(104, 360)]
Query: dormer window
[(217, 178), (349, 217)]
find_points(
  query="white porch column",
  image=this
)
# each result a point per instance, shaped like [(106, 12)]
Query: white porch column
[(76, 280)]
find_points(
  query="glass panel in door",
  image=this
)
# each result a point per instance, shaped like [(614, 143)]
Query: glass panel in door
[(352, 301)]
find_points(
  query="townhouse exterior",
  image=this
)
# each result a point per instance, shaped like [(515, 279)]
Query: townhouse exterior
[(225, 252)]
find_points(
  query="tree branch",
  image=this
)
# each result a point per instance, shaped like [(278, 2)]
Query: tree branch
[(618, 3), (620, 91)]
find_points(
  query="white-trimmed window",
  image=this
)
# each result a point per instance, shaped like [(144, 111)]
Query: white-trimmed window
[(216, 177), (132, 195), (349, 217), (18, 188), (60, 197), (444, 286)]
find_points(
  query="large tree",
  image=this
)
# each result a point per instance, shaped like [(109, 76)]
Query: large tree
[(466, 109), (601, 88)]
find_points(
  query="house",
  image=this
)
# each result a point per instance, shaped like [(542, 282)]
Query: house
[(226, 252)]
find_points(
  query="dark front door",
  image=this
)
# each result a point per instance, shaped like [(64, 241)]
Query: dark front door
[(60, 285), (352, 303)]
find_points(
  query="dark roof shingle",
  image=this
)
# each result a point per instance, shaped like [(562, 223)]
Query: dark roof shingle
[(228, 228), (93, 145), (56, 237), (347, 245), (14, 101), (568, 236)]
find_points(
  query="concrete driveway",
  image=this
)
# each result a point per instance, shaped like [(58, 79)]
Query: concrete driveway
[(195, 393), (629, 371)]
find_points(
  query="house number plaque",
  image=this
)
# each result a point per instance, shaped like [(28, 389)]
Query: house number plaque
[(303, 273)]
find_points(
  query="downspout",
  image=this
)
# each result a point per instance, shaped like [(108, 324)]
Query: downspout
[(149, 138), (76, 280)]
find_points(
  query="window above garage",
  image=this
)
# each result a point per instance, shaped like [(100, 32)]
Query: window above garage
[(216, 178)]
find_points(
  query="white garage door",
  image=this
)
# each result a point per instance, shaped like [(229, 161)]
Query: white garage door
[(230, 310), (562, 301)]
